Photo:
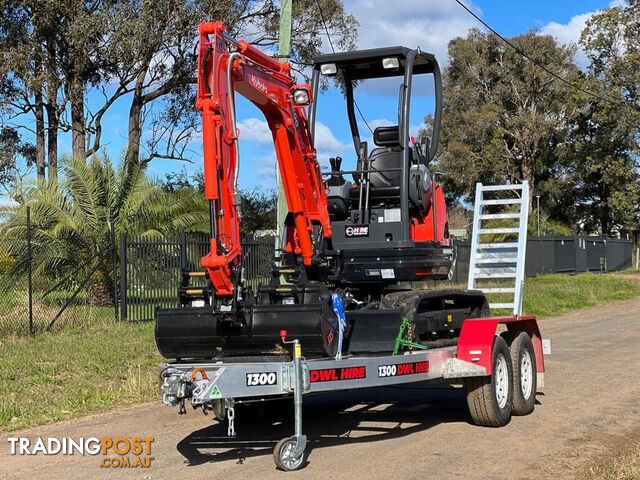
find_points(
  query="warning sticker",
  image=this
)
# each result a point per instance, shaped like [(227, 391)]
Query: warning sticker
[(399, 369), (337, 374), (387, 273)]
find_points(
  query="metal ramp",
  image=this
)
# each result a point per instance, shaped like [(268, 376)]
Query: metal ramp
[(499, 242)]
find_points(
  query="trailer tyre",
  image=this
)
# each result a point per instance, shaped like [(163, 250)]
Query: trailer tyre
[(490, 398), (523, 362), (283, 455)]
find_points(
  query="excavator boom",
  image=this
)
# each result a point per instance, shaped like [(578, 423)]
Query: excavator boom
[(227, 66)]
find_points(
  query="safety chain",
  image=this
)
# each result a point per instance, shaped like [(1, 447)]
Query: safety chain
[(231, 414)]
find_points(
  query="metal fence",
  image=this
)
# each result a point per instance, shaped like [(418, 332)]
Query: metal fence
[(150, 270), (75, 290), (561, 255)]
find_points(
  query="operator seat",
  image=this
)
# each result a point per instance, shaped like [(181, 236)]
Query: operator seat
[(385, 186), (387, 155)]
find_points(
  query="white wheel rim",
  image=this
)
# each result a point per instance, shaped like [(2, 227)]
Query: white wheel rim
[(526, 374), (501, 381), (286, 456)]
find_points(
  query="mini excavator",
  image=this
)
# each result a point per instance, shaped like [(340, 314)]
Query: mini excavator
[(354, 242)]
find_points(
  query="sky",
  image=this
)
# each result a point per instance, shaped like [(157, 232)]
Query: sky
[(428, 24)]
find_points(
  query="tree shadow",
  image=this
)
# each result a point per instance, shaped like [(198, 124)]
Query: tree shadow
[(329, 419)]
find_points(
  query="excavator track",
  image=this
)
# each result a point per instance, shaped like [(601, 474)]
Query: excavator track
[(435, 316)]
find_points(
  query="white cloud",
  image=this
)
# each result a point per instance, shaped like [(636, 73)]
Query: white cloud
[(411, 23), (326, 141), (569, 33), (257, 130), (380, 122), (265, 169), (254, 129)]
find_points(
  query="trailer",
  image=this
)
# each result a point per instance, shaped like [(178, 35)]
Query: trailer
[(501, 372), (354, 244)]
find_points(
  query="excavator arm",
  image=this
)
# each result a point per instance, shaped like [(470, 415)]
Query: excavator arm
[(227, 66)]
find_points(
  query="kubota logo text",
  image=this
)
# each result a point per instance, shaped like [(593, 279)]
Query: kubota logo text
[(257, 83)]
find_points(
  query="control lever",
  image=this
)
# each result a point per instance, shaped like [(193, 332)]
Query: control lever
[(421, 148), (362, 157)]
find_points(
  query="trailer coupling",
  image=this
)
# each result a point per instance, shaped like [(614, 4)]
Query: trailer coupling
[(179, 386)]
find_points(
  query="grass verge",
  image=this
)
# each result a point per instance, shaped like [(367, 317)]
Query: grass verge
[(74, 371), (79, 369), (622, 466), (551, 295), (630, 271)]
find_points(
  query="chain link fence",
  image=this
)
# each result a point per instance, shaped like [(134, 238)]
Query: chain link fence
[(34, 298)]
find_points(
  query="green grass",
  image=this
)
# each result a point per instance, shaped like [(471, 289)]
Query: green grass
[(629, 271), (73, 371), (98, 364), (552, 295)]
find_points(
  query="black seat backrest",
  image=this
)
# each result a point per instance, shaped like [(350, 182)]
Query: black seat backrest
[(389, 155), (387, 136)]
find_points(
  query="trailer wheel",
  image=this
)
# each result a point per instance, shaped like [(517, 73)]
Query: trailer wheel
[(283, 455), (523, 361), (490, 398)]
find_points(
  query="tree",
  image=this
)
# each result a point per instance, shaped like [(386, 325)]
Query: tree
[(11, 147), (607, 172), (257, 210), (505, 119), (70, 220), (162, 66), (22, 76), (55, 53)]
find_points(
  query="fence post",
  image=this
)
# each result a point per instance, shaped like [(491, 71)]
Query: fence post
[(576, 247), (183, 253), (123, 277), (29, 271), (113, 264)]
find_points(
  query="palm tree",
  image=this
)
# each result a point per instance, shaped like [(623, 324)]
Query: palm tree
[(70, 220)]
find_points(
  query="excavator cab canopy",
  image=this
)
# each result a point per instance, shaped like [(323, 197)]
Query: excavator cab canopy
[(376, 62), (351, 67)]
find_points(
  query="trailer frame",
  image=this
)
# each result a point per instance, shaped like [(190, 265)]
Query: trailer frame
[(217, 385)]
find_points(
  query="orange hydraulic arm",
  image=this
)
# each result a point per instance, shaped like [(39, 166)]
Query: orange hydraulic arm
[(226, 66)]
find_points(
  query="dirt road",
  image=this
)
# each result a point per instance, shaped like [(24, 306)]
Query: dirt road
[(590, 405)]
